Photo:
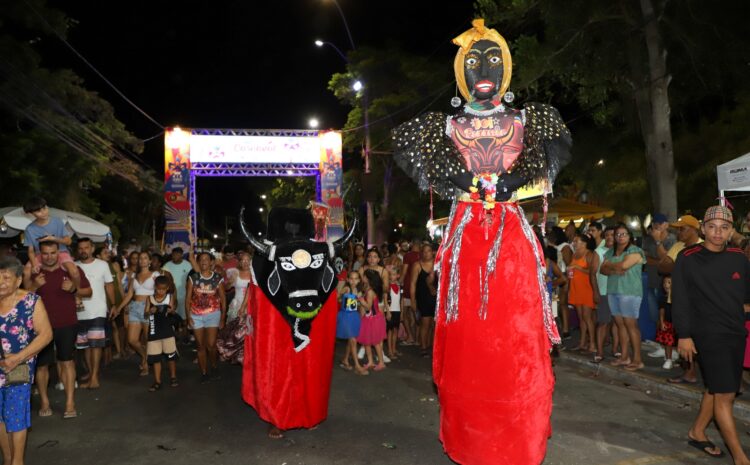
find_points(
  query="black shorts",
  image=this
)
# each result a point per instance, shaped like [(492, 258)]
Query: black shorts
[(62, 347), (720, 358), (395, 321)]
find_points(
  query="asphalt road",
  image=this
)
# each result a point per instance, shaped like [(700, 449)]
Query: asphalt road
[(389, 417)]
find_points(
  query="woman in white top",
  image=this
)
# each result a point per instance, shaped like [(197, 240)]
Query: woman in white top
[(140, 289), (240, 281)]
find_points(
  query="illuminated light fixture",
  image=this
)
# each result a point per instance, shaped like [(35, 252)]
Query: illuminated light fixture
[(319, 43), (313, 123), (401, 225), (216, 236), (177, 138), (357, 86), (600, 162), (260, 209), (263, 196), (289, 172)]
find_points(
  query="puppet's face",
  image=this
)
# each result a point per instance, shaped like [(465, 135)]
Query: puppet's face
[(483, 69)]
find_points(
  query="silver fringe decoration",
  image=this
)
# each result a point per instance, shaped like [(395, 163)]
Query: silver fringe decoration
[(491, 265), (547, 318), (451, 310)]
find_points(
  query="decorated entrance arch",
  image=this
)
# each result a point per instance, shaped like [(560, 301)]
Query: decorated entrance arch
[(192, 153)]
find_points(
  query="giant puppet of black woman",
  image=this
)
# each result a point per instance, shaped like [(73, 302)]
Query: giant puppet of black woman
[(288, 355), (494, 324)]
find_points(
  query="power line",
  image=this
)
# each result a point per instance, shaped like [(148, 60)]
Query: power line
[(59, 36)]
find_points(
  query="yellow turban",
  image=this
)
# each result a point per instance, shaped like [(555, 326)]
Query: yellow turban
[(465, 41)]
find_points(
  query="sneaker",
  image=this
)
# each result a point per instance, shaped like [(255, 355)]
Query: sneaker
[(361, 353), (61, 387), (668, 364), (658, 353), (386, 359)]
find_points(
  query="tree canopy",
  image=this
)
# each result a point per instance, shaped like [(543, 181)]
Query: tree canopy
[(60, 140)]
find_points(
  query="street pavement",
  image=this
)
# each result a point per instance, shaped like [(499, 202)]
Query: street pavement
[(390, 417)]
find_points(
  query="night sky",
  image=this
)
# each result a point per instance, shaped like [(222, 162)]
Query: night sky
[(241, 64), (237, 64)]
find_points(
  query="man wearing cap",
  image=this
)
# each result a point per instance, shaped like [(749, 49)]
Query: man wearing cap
[(658, 239), (710, 294), (688, 234)]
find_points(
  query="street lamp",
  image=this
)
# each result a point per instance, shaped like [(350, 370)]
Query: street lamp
[(216, 236), (263, 196), (313, 123), (260, 209), (320, 43), (366, 151)]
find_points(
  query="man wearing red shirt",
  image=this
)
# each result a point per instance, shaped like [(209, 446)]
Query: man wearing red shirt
[(58, 292)]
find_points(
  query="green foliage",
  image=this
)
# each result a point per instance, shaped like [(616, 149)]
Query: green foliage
[(58, 139), (398, 86), (291, 192), (589, 57)]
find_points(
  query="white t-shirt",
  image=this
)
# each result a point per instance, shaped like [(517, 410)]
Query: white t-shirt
[(395, 305), (98, 274)]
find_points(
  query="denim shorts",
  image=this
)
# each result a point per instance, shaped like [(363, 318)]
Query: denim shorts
[(626, 306), (136, 312), (15, 407), (206, 320)]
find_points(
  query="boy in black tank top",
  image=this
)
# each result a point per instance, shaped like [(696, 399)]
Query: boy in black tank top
[(161, 340)]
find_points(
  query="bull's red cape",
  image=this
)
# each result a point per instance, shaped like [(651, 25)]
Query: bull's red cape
[(494, 376), (288, 389)]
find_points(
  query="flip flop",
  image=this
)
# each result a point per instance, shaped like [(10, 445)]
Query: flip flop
[(275, 433), (45, 412), (69, 415), (680, 380), (634, 367), (703, 445), (346, 367)]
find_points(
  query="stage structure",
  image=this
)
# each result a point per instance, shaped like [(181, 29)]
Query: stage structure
[(192, 153)]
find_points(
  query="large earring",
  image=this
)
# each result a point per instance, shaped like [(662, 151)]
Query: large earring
[(508, 97), (456, 101)]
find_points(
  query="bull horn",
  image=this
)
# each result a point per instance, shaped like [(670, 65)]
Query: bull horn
[(259, 246), (338, 245)]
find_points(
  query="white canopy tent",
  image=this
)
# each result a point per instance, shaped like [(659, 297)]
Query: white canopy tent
[(734, 175), (13, 221)]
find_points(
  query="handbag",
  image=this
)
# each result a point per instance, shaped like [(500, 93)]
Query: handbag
[(21, 374)]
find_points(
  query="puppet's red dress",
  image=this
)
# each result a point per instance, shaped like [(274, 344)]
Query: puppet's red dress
[(288, 389)]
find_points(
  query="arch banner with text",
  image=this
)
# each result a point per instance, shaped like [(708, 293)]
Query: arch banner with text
[(193, 153)]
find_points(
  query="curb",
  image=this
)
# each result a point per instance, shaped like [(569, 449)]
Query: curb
[(653, 385)]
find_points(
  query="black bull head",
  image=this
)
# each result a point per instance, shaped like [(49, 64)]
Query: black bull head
[(297, 275)]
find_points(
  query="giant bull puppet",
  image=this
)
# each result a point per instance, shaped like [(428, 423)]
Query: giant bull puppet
[(296, 273)]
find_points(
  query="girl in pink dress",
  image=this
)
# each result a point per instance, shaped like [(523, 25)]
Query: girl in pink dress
[(372, 329)]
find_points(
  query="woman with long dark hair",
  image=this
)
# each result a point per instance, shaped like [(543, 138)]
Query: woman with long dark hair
[(141, 287), (623, 264), (424, 295), (582, 274)]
